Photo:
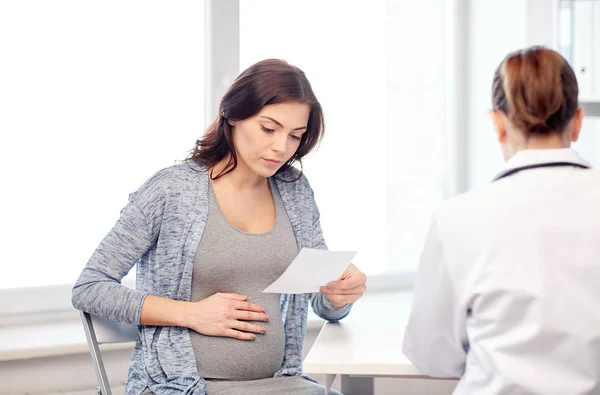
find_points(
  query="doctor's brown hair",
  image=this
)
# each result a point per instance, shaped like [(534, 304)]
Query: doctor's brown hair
[(537, 90)]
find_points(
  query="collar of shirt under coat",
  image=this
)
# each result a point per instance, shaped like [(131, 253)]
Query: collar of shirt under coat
[(529, 157)]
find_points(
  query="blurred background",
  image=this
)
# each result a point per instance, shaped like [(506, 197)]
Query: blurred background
[(95, 97)]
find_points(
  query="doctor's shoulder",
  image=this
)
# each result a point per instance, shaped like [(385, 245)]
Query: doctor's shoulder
[(475, 204)]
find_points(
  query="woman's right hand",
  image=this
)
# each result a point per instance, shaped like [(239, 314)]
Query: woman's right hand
[(225, 314)]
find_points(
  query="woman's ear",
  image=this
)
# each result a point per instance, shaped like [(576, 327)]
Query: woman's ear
[(231, 123), (499, 119)]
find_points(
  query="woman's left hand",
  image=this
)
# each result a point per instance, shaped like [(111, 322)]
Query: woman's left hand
[(348, 289)]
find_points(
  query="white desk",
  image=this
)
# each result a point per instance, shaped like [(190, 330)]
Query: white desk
[(364, 345)]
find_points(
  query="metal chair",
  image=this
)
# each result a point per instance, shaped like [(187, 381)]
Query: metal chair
[(102, 331)]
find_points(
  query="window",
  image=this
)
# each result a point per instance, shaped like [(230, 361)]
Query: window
[(94, 98), (417, 146), (343, 56), (97, 97), (377, 174)]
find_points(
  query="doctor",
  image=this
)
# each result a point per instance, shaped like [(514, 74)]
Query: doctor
[(508, 290)]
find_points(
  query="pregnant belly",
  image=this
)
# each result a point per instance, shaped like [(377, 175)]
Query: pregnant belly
[(232, 359)]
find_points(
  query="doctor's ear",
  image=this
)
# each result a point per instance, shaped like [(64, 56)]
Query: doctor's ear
[(577, 121), (499, 120)]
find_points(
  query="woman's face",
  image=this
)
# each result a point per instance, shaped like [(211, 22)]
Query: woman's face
[(267, 140)]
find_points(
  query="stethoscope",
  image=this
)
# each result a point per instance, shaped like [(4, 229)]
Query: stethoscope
[(510, 172)]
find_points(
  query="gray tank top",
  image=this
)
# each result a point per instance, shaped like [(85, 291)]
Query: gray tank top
[(229, 260)]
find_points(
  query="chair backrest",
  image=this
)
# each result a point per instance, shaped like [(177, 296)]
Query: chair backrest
[(101, 331)]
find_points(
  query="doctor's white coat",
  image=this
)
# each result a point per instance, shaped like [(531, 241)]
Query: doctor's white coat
[(507, 295)]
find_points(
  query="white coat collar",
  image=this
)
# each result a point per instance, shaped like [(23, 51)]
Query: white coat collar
[(530, 157)]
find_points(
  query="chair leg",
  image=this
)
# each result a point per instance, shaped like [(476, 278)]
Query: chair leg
[(90, 334)]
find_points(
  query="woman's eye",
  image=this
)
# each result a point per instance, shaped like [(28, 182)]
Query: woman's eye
[(296, 137), (267, 130)]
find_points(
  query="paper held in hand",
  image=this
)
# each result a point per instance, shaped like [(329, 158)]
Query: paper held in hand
[(310, 270)]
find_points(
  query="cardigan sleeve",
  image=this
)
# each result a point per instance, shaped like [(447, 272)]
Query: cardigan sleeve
[(98, 289)]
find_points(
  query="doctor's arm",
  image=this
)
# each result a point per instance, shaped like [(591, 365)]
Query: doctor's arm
[(434, 340)]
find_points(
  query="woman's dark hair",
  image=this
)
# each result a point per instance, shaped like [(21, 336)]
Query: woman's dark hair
[(537, 90), (267, 82)]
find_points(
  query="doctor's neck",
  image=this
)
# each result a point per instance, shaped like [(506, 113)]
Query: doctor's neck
[(520, 142), (552, 141)]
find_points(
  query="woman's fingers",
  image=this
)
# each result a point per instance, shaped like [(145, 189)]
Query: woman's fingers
[(250, 316), (361, 289), (249, 307), (232, 296), (351, 281), (348, 289), (239, 335), (246, 327)]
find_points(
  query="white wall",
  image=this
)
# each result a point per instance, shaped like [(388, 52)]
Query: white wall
[(588, 145), (496, 28), (415, 144)]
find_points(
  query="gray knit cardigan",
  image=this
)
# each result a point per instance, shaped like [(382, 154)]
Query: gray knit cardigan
[(160, 229)]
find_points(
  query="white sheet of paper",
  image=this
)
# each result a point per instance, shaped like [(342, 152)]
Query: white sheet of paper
[(310, 270)]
